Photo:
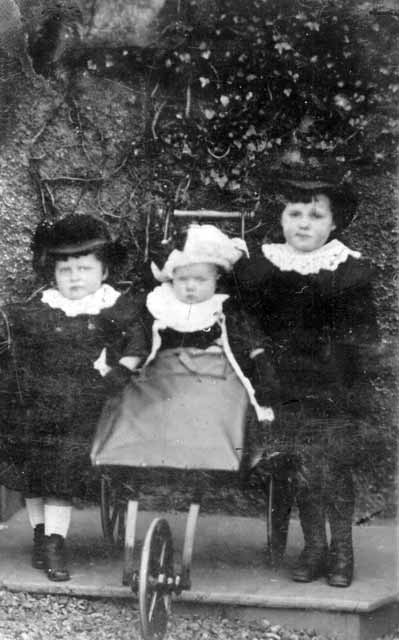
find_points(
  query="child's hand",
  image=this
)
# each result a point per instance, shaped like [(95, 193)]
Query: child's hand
[(116, 379), (265, 414), (101, 363), (130, 362)]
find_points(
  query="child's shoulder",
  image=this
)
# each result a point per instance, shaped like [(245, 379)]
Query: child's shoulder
[(29, 313), (129, 304), (354, 272), (252, 271), (332, 265)]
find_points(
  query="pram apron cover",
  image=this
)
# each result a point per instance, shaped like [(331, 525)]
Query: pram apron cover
[(186, 410)]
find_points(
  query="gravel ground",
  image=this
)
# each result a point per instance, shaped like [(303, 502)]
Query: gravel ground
[(42, 617)]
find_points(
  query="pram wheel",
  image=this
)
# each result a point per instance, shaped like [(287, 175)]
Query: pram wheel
[(156, 581), (279, 489), (278, 517), (113, 512)]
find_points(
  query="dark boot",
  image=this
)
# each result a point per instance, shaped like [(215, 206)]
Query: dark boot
[(56, 558), (340, 514), (340, 564), (312, 563), (38, 547)]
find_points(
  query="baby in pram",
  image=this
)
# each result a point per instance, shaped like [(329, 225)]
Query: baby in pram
[(187, 406)]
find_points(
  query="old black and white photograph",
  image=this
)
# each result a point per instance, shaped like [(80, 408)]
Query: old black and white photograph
[(199, 319)]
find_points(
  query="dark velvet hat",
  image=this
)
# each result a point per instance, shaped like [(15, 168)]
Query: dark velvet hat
[(300, 181), (74, 235)]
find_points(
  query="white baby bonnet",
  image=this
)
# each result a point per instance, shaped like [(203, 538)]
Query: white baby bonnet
[(204, 243)]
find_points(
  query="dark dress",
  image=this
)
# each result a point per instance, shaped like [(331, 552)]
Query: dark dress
[(55, 395), (319, 325)]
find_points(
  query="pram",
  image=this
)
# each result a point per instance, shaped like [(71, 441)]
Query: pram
[(191, 430)]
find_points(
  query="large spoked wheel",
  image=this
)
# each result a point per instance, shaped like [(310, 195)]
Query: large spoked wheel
[(279, 503), (113, 513), (156, 580)]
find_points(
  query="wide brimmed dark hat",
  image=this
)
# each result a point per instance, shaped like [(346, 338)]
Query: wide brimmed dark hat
[(294, 180), (75, 234)]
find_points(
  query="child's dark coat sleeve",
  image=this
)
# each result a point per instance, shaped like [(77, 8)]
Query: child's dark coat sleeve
[(253, 352), (128, 333), (355, 319)]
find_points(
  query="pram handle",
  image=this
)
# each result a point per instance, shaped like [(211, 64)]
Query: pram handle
[(216, 215), (210, 213)]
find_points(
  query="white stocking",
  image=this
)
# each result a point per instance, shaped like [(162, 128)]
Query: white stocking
[(35, 509), (57, 518)]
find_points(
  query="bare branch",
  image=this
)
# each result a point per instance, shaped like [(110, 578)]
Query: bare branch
[(155, 119)]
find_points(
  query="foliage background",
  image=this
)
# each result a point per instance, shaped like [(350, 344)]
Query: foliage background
[(130, 109)]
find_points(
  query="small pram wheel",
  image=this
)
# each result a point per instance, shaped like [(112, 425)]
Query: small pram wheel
[(279, 496), (156, 580), (113, 511)]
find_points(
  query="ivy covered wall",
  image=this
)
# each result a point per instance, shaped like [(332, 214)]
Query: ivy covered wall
[(128, 109)]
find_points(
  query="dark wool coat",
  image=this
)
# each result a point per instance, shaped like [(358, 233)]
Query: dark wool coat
[(56, 395), (319, 325)]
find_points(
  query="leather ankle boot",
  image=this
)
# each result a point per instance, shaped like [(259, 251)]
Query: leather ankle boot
[(55, 558), (340, 514), (312, 564), (38, 547), (340, 564)]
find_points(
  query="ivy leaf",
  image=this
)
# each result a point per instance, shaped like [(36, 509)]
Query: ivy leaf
[(342, 102), (220, 179), (312, 26), (204, 81), (186, 150), (234, 185), (282, 46), (251, 131)]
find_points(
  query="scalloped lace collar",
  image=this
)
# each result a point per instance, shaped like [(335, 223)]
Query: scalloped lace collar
[(92, 304), (171, 312), (328, 257)]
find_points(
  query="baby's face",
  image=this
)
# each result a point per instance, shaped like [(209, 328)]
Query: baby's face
[(308, 225), (78, 277), (195, 282)]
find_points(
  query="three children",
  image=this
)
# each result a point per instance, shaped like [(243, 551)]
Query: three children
[(311, 295)]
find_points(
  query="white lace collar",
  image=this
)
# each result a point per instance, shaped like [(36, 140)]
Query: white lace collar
[(328, 257), (91, 305), (170, 312)]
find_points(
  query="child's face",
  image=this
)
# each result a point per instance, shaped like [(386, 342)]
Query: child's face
[(77, 277), (307, 226), (195, 282)]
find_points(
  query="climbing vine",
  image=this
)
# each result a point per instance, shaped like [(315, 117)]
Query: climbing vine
[(235, 84)]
